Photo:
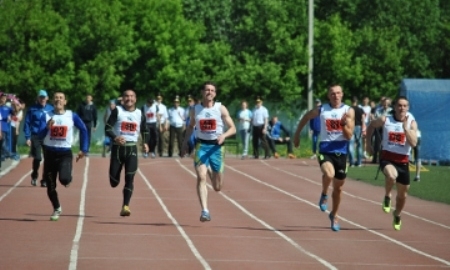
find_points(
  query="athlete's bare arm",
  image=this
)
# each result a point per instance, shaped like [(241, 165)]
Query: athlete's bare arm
[(189, 130), (377, 123), (308, 116), (411, 133), (349, 123), (230, 124)]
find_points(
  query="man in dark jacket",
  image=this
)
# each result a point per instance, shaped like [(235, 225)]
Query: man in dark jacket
[(33, 127), (274, 137), (88, 113)]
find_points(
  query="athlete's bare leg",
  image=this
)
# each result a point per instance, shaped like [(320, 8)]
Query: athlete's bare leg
[(337, 190), (402, 191), (390, 175), (202, 189), (327, 176)]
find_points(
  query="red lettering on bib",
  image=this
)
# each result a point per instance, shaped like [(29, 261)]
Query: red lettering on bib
[(333, 124), (58, 132), (207, 124), (150, 115), (128, 127), (397, 137)]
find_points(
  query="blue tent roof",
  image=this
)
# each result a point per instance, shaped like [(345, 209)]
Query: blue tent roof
[(429, 103)]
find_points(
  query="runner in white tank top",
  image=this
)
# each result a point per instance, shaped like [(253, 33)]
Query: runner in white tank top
[(337, 124), (58, 157), (124, 126), (210, 118), (399, 135)]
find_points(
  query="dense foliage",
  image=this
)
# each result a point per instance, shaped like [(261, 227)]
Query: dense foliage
[(248, 47)]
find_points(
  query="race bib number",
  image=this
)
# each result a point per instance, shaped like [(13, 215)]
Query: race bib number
[(58, 132), (150, 115), (128, 127), (397, 137), (333, 125), (207, 125)]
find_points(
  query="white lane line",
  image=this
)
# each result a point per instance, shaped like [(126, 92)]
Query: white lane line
[(15, 185), (177, 225), (358, 197), (79, 230), (13, 164), (344, 219), (282, 235)]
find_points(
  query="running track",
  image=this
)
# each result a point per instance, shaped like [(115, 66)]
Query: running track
[(266, 217)]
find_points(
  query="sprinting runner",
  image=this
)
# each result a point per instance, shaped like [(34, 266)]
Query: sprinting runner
[(57, 147), (337, 122), (123, 127), (208, 118), (399, 135)]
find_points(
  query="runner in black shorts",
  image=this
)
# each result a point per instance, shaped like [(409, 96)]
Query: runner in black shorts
[(399, 136), (123, 127), (339, 162), (337, 122)]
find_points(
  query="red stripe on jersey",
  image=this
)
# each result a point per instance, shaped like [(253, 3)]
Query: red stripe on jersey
[(394, 157)]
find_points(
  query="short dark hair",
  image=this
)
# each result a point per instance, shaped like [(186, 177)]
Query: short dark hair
[(399, 98), (209, 83)]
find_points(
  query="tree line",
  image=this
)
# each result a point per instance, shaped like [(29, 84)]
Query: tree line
[(248, 47)]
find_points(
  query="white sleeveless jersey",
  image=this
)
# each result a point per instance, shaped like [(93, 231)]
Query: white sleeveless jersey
[(332, 138), (150, 113), (395, 146), (60, 134), (208, 122), (128, 124)]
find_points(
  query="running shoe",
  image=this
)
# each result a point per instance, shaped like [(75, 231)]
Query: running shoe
[(276, 155), (397, 222), (56, 214), (417, 179), (334, 223), (33, 181), (125, 211), (291, 156), (145, 155), (43, 183), (204, 216), (323, 203), (387, 204)]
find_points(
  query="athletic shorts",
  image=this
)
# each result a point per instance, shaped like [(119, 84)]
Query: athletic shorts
[(209, 154), (402, 171), (339, 162)]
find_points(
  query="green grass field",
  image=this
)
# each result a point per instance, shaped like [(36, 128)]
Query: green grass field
[(434, 184)]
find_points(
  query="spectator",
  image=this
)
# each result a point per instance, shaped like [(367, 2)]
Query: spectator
[(245, 116), (35, 124), (358, 132), (6, 113), (15, 126), (314, 126), (88, 113), (176, 121), (151, 112), (163, 125), (260, 121), (384, 110), (274, 137)]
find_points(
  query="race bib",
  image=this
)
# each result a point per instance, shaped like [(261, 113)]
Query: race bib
[(397, 137), (333, 125), (58, 132), (150, 115), (207, 125), (128, 127)]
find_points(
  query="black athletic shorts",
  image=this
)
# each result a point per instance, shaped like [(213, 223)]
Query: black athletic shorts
[(402, 171), (339, 162)]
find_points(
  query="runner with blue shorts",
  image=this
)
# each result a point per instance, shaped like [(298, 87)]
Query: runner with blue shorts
[(210, 117)]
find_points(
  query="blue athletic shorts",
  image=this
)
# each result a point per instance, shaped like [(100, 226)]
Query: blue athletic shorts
[(209, 155)]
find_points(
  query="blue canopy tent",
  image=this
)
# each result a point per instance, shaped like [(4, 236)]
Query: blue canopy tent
[(430, 103)]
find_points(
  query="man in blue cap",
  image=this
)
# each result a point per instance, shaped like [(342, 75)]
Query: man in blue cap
[(33, 128)]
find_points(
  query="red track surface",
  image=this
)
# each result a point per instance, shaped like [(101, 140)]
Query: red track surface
[(266, 217)]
